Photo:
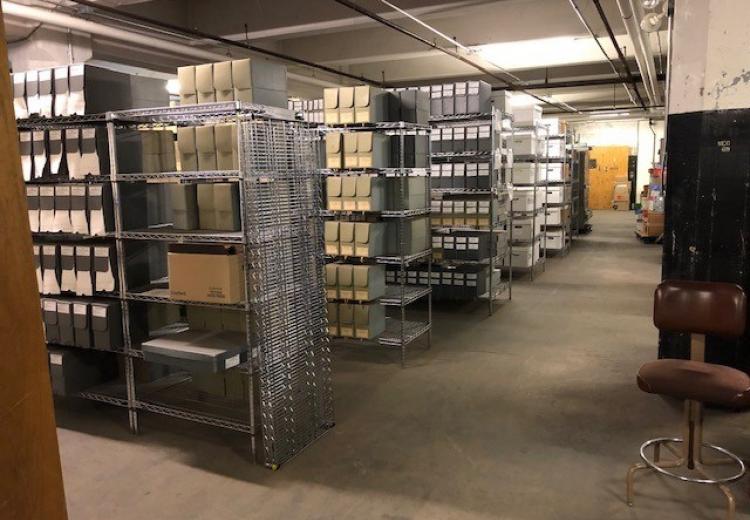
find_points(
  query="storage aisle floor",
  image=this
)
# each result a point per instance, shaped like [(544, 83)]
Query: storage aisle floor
[(531, 414)]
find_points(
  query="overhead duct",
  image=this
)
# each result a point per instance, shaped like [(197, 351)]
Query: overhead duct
[(631, 13), (58, 19)]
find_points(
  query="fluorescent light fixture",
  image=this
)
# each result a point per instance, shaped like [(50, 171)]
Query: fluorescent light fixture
[(608, 115), (546, 52), (173, 86)]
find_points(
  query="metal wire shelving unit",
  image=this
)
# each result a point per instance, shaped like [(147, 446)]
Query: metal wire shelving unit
[(579, 168), (287, 369), (399, 332), (538, 214), (566, 207), (498, 192)]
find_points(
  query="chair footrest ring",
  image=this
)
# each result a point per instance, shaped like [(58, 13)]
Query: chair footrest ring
[(734, 459)]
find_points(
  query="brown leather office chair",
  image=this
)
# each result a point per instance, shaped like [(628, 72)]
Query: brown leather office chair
[(699, 309)]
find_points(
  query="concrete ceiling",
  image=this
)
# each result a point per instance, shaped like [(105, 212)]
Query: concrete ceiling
[(326, 32)]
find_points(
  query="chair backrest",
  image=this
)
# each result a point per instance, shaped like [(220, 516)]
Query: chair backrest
[(713, 308)]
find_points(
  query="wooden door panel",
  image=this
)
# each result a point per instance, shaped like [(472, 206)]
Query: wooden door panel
[(611, 166)]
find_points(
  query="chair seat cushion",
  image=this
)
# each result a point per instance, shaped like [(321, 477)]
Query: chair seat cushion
[(697, 381)]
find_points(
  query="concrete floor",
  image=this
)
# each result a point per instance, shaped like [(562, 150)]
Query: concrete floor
[(530, 414)]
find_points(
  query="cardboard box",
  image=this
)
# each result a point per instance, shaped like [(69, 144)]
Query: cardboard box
[(346, 320), (555, 240), (73, 371), (187, 149), (197, 350), (106, 325), (525, 173), (479, 96), (369, 239), (334, 151), (227, 206), (204, 83), (333, 319), (406, 193), (331, 106), (369, 282), (332, 281), (223, 86), (206, 147), (188, 92), (225, 136), (369, 320), (346, 105), (206, 210), (370, 193), (333, 193), (82, 325), (372, 104), (184, 202), (524, 144), (529, 115), (345, 281), (349, 193), (332, 241), (205, 273)]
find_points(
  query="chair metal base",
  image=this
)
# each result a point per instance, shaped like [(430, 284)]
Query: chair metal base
[(692, 459)]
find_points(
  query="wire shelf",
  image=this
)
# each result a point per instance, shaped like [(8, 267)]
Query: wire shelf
[(394, 296), (412, 330), (182, 176), (161, 295), (64, 179), (55, 235), (121, 352), (465, 191), (386, 172), (468, 154), (61, 122), (169, 234), (385, 213), (197, 114), (382, 125)]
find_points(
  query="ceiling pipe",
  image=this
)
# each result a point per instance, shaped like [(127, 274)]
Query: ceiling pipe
[(66, 21), (201, 35), (644, 54), (593, 35), (577, 83), (406, 32), (620, 54)]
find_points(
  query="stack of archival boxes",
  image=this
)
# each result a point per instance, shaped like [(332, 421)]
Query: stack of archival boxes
[(353, 290)]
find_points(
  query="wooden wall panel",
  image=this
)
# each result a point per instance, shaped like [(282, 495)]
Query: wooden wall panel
[(611, 166), (30, 476)]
